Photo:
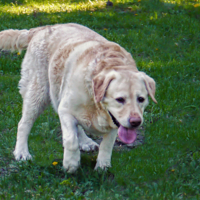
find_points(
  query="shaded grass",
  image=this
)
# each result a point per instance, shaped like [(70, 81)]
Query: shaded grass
[(163, 38)]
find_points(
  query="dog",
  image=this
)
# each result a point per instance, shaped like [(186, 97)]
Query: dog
[(92, 83)]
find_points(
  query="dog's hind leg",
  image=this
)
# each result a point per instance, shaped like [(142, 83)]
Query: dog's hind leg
[(86, 143), (35, 99)]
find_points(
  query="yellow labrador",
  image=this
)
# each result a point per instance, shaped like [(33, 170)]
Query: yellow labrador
[(92, 83)]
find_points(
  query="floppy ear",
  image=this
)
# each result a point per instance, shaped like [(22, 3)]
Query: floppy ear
[(100, 84), (150, 86)]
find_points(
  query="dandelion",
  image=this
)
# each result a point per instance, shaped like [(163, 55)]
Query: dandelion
[(136, 14), (18, 53), (105, 29), (173, 170), (196, 5), (139, 0), (54, 163)]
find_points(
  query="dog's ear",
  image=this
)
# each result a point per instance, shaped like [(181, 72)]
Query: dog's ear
[(100, 84), (150, 86)]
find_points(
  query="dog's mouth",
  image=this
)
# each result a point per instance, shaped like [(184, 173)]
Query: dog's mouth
[(126, 135), (114, 119)]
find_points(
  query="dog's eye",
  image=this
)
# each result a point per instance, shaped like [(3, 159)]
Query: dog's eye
[(140, 99), (120, 100)]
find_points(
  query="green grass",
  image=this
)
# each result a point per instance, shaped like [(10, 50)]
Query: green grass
[(163, 37)]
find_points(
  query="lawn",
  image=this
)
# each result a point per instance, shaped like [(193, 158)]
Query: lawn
[(163, 37)]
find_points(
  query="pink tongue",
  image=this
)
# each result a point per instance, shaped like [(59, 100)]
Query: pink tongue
[(127, 135)]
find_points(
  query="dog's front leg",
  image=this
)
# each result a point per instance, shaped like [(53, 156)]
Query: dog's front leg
[(105, 150), (71, 158)]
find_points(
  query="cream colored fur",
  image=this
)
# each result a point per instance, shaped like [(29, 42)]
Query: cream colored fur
[(81, 74)]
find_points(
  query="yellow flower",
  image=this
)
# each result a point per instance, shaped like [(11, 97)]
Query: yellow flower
[(173, 170), (196, 5), (136, 14), (139, 0), (105, 29), (18, 53), (54, 163), (156, 49)]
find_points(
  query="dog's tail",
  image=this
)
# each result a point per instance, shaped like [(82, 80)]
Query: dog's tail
[(19, 39), (14, 39)]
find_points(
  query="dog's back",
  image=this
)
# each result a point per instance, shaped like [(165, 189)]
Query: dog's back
[(17, 40)]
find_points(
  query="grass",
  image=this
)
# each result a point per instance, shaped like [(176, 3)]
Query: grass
[(163, 37)]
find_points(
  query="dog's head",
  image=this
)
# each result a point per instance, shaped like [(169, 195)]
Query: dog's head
[(124, 93)]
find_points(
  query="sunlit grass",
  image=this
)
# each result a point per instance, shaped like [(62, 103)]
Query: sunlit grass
[(48, 7), (29, 7), (57, 6)]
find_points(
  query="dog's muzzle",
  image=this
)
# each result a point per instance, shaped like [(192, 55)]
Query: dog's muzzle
[(126, 135)]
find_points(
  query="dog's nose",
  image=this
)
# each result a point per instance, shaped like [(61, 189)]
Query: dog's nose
[(135, 121)]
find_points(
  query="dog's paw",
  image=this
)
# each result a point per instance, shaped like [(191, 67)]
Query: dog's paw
[(90, 145), (71, 160), (71, 167), (22, 155), (102, 164)]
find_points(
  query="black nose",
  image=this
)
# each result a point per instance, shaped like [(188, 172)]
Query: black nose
[(135, 121)]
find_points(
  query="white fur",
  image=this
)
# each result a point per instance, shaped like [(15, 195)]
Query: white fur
[(63, 65)]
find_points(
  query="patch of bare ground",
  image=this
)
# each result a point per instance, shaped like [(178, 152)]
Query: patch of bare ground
[(119, 145)]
